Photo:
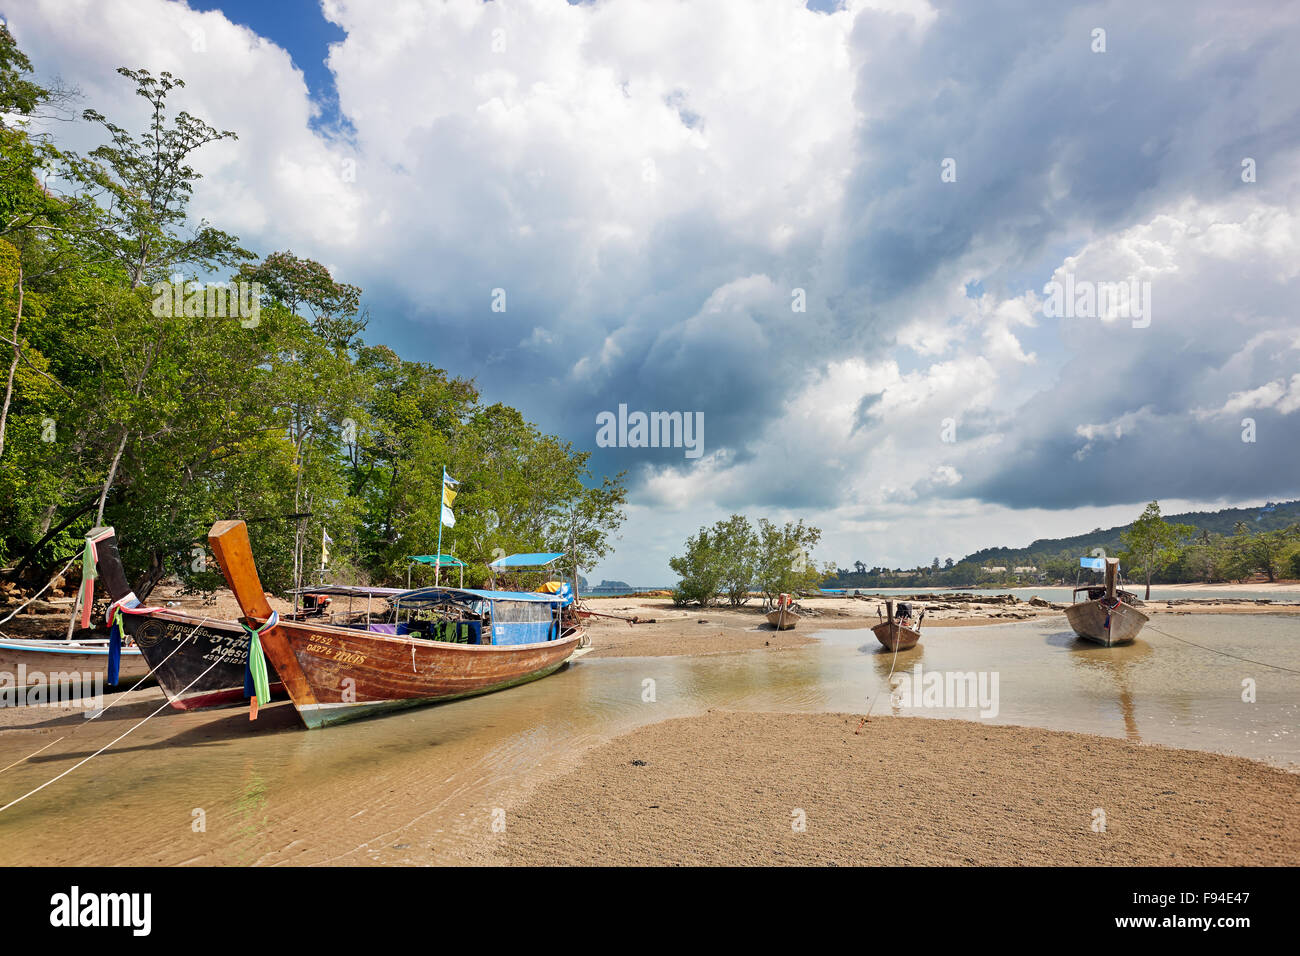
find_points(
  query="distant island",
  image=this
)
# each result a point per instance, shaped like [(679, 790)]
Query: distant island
[(613, 586)]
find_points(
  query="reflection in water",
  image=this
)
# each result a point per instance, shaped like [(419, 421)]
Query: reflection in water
[(420, 786), (891, 668), (1116, 663)]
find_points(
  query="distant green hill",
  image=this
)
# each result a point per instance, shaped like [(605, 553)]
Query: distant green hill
[(1259, 519), (1057, 559)]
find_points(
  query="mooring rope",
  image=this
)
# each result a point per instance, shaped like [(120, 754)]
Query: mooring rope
[(31, 755), (163, 706), (41, 591), (892, 663), (103, 710), (1289, 670)]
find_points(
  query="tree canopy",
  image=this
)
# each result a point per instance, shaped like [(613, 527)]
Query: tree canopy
[(143, 393)]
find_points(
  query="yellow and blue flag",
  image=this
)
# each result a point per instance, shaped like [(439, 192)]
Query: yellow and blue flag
[(449, 486)]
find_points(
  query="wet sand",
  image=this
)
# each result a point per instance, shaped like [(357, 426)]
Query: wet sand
[(727, 789)]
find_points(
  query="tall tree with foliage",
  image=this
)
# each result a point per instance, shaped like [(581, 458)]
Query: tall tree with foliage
[(124, 406), (1152, 543), (699, 570), (1262, 552), (783, 562), (735, 544)]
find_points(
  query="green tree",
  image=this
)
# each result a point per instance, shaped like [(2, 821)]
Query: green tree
[(735, 544), (147, 182), (783, 561), (699, 569), (1263, 552), (1152, 543)]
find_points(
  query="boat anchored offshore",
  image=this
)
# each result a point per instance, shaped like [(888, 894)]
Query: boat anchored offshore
[(452, 643), (1107, 615), (897, 632)]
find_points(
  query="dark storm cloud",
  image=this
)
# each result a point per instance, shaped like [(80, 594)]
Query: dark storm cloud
[(1054, 145)]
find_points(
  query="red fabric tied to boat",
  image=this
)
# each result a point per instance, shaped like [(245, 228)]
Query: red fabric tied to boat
[(87, 582)]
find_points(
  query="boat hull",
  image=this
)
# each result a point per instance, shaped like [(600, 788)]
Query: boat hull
[(36, 660), (782, 619), (1093, 621), (335, 674), (895, 636), (198, 663)]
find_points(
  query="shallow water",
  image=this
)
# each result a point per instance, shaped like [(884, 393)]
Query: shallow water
[(426, 786)]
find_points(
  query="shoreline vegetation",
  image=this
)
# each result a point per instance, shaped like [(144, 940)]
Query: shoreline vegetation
[(160, 379), (1233, 545), (733, 561)]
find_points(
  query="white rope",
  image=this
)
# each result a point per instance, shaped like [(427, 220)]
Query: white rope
[(179, 644), (1279, 667), (893, 661), (103, 710), (40, 592), (131, 730), (31, 755)]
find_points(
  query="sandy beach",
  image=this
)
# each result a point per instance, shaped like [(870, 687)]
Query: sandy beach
[(731, 788)]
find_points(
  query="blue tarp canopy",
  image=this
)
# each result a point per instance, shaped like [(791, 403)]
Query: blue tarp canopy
[(517, 617), (350, 590), (438, 560), (1095, 564), (441, 595), (539, 559)]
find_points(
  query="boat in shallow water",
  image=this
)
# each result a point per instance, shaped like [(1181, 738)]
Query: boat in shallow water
[(453, 643), (897, 632), (1107, 615)]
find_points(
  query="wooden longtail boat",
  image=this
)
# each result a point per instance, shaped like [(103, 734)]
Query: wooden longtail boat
[(897, 634), (337, 673), (198, 662), (26, 662), (1107, 616), (783, 619)]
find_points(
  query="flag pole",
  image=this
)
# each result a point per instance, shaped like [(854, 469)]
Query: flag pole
[(442, 493)]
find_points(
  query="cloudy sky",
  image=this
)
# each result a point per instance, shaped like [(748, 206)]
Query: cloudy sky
[(658, 186)]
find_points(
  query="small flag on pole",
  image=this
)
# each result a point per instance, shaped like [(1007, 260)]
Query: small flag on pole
[(449, 486), (325, 541)]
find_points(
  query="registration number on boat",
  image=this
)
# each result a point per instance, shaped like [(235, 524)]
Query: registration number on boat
[(322, 646)]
